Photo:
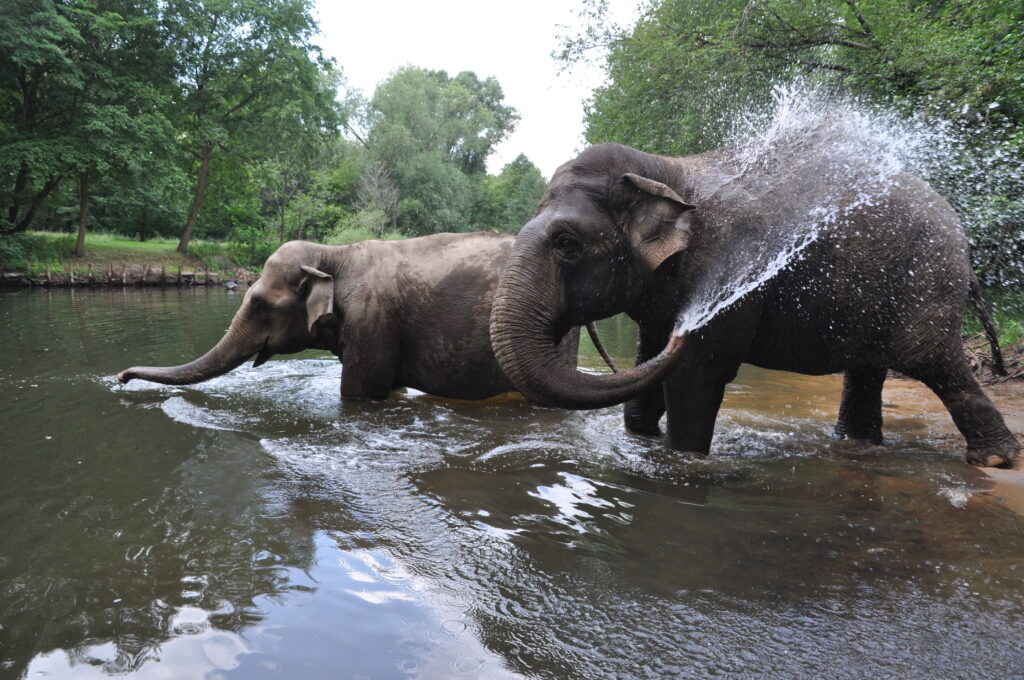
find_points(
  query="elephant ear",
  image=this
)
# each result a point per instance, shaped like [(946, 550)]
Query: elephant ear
[(659, 225), (319, 295)]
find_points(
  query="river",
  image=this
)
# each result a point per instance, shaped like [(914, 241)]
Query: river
[(255, 527)]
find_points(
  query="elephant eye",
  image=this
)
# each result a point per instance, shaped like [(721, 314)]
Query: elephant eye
[(568, 246)]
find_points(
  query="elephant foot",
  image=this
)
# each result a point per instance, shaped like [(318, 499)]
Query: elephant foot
[(1002, 455), (644, 430), (870, 435)]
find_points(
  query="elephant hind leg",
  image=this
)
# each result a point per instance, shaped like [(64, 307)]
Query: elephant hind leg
[(989, 442), (860, 411)]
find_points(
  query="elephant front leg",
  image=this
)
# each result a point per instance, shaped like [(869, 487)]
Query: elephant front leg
[(692, 400), (860, 412), (642, 413), (367, 373)]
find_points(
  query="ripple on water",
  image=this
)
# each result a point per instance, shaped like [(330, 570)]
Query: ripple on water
[(539, 541)]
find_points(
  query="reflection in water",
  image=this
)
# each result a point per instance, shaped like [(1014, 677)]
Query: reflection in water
[(253, 526)]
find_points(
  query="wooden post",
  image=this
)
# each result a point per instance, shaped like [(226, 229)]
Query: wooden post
[(89, 274), (163, 274), (48, 278), (206, 275), (179, 273), (71, 274), (145, 273), (124, 274)]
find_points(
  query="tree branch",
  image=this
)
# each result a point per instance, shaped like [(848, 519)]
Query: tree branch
[(852, 4)]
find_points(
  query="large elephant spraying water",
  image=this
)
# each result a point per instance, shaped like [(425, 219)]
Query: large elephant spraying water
[(411, 313), (879, 279)]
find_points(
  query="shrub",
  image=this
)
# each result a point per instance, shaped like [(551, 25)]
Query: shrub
[(361, 226), (250, 247), (18, 250)]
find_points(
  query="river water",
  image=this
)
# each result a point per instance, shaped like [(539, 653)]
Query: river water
[(254, 527)]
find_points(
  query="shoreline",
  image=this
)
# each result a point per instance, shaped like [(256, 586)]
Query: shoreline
[(127, 274)]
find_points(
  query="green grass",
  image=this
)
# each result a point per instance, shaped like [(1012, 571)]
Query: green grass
[(33, 250)]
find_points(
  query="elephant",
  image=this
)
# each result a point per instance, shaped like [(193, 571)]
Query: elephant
[(408, 313), (622, 231)]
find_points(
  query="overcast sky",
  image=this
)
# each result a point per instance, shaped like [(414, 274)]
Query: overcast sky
[(511, 41)]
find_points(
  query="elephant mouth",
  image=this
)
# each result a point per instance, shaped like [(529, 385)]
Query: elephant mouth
[(264, 353)]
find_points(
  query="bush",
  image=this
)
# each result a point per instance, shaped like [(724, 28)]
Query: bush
[(361, 226), (250, 247), (210, 253), (18, 250)]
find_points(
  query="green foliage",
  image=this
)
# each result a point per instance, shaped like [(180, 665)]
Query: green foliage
[(676, 79), (363, 225), (510, 199), (430, 135), (209, 252), (19, 250), (675, 76), (435, 196), (250, 246), (137, 101), (417, 111)]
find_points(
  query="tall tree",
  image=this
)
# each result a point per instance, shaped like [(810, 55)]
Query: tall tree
[(240, 61), (121, 121), (510, 198), (39, 82), (674, 77), (434, 133), (86, 88)]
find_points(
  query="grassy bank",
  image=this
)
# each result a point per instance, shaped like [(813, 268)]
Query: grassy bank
[(36, 257), (34, 251)]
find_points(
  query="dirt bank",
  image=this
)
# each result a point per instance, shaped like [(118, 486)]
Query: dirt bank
[(127, 274)]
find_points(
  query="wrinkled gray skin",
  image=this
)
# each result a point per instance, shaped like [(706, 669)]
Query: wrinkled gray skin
[(616, 232), (412, 313)]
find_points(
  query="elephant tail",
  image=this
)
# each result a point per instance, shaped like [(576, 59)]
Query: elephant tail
[(592, 330), (986, 321)]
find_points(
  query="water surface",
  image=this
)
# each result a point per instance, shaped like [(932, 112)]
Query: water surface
[(255, 527)]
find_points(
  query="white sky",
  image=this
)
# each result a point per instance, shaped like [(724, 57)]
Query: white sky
[(511, 41)]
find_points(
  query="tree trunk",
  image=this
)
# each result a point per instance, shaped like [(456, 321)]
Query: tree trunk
[(83, 213), (281, 227), (19, 186), (50, 185), (197, 200)]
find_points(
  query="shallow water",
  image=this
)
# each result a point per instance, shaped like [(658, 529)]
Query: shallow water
[(254, 527)]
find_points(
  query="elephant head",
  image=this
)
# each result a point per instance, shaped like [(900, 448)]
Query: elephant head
[(287, 310), (609, 220)]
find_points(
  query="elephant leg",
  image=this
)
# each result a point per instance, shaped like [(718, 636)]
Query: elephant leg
[(860, 412), (366, 375), (989, 442), (692, 400), (642, 413)]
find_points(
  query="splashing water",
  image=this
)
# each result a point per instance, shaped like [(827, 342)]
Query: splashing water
[(856, 155)]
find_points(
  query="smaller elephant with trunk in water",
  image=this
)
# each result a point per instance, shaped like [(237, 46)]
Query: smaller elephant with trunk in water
[(412, 313), (883, 284)]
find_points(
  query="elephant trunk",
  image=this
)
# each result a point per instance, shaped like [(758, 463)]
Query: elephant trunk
[(523, 336), (233, 349)]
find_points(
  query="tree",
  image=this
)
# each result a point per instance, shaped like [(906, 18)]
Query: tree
[(120, 121), (242, 63), (421, 111), (677, 74), (677, 78), (510, 198), (378, 192), (39, 83), (433, 134)]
